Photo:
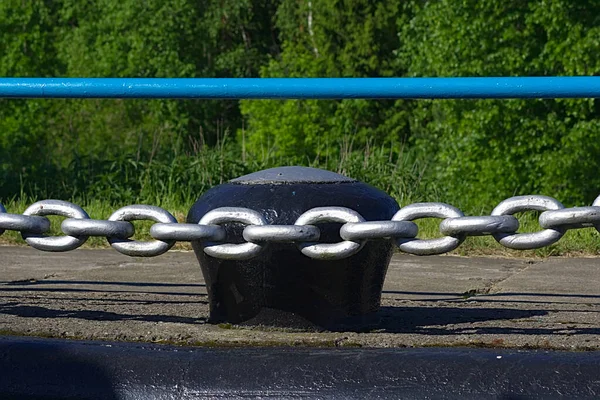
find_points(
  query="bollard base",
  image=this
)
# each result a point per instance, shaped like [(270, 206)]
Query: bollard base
[(275, 318), (330, 294)]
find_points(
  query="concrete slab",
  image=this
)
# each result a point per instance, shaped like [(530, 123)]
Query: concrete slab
[(562, 280), (428, 301), (447, 277)]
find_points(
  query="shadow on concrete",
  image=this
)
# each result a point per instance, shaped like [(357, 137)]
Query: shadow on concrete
[(27, 311), (97, 300), (414, 320), (83, 290), (440, 321), (26, 285), (29, 285), (504, 297), (489, 295), (27, 282), (419, 320)]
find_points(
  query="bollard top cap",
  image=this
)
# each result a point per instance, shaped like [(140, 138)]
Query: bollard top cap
[(286, 175)]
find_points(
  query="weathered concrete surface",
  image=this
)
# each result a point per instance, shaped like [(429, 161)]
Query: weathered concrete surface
[(428, 301)]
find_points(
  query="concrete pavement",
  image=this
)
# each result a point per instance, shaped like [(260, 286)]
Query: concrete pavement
[(427, 301)]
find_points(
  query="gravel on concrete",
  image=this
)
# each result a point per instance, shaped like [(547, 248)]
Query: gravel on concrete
[(428, 301)]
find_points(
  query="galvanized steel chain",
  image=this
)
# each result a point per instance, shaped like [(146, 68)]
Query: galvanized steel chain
[(354, 231)]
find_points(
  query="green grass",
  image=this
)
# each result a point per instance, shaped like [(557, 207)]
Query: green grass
[(174, 184)]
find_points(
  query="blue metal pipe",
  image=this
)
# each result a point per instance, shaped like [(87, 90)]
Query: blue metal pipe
[(302, 88)]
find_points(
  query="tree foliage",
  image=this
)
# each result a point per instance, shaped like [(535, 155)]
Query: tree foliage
[(476, 152), (324, 38), (486, 150), (42, 140)]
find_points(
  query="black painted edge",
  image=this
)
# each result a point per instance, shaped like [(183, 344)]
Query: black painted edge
[(31, 367)]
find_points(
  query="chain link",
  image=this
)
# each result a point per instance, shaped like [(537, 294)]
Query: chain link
[(139, 213), (526, 241), (571, 218), (230, 251), (357, 231), (281, 233), (330, 251), (54, 243), (22, 223), (479, 226), (97, 227), (187, 232), (213, 228), (426, 247), (2, 213)]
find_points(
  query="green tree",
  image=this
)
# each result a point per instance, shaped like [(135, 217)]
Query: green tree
[(486, 150), (27, 49), (173, 38), (73, 140), (323, 38)]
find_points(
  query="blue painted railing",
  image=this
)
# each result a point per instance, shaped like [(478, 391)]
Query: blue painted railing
[(302, 88)]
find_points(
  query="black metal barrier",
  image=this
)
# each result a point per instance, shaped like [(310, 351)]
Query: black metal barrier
[(53, 369)]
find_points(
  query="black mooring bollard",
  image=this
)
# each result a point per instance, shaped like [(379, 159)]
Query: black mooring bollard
[(281, 286)]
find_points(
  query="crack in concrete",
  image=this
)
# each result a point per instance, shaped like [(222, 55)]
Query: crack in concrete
[(28, 281), (490, 286)]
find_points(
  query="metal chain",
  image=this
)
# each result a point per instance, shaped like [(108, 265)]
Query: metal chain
[(354, 232), (140, 213), (429, 246), (230, 251), (330, 251), (54, 243), (524, 241)]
